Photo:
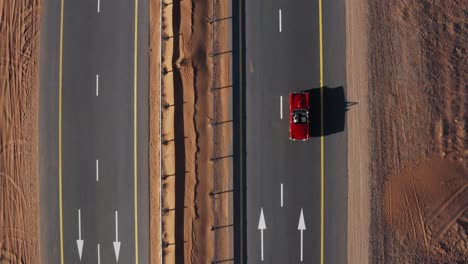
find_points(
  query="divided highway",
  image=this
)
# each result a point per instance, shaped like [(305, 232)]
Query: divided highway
[(296, 192), (94, 131)]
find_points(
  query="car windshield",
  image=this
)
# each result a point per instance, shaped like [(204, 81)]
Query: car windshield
[(299, 116)]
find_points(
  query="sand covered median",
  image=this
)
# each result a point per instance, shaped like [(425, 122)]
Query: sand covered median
[(195, 133)]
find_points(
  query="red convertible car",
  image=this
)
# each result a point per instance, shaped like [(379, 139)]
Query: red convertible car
[(299, 116)]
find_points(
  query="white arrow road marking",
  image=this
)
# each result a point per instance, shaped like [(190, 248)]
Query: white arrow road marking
[(280, 22), (97, 170), (301, 226), (98, 6), (281, 195), (261, 226), (97, 84), (281, 107), (117, 243), (79, 242), (98, 254)]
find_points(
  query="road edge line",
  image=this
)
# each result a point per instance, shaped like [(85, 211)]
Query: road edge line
[(135, 122), (322, 143), (60, 131), (241, 140)]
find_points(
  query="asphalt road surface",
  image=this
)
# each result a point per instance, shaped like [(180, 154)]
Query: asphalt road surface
[(282, 55), (103, 148)]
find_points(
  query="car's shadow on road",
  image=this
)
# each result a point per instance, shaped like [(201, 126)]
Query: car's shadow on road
[(334, 110)]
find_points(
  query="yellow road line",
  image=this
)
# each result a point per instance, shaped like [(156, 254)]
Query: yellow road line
[(135, 142), (60, 131), (322, 174)]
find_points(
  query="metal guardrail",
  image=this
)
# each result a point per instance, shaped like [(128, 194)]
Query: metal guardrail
[(161, 257)]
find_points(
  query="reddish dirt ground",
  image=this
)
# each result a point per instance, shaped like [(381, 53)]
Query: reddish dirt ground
[(19, 197), (417, 100)]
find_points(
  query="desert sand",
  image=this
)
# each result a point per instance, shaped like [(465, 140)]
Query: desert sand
[(19, 197), (417, 101), (154, 144), (358, 129), (222, 118), (194, 141)]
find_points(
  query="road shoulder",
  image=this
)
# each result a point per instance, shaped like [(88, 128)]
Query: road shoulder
[(358, 130)]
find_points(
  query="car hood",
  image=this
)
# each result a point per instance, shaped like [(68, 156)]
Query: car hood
[(299, 101)]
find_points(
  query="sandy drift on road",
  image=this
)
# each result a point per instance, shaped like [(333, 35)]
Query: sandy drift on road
[(19, 197)]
